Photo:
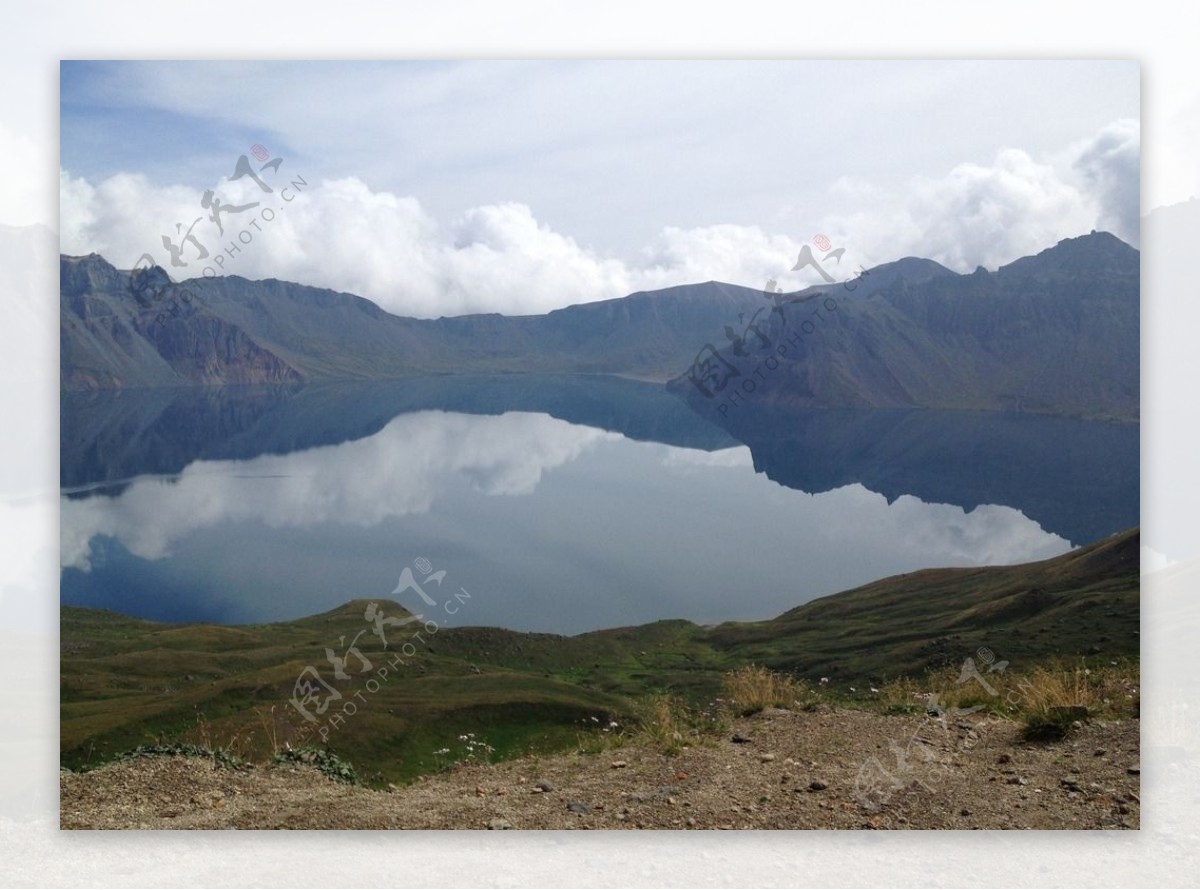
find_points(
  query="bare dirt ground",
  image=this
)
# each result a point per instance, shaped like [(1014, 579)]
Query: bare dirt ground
[(824, 769)]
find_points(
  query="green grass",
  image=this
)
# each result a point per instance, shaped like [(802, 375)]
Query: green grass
[(127, 683)]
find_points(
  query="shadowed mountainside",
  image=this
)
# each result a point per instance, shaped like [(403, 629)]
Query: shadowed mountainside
[(1055, 333)]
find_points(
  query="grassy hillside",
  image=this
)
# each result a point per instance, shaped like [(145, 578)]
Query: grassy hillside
[(126, 682)]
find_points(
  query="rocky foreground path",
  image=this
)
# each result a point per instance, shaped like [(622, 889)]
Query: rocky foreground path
[(777, 770)]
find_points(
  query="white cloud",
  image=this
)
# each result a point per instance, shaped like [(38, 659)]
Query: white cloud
[(991, 214), (338, 233), (1110, 163)]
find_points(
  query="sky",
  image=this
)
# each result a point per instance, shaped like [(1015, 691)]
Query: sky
[(443, 188)]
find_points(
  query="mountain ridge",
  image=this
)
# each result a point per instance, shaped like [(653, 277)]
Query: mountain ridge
[(1054, 333)]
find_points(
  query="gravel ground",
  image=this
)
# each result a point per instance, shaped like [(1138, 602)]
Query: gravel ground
[(786, 770)]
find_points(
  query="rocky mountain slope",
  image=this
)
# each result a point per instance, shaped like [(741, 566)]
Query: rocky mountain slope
[(1054, 333)]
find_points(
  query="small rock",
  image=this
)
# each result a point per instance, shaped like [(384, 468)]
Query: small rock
[(817, 785), (578, 806), (618, 764), (543, 785), (1003, 758), (1070, 784), (499, 825), (392, 788), (964, 812), (766, 758), (1135, 770), (1099, 752), (739, 739), (691, 823)]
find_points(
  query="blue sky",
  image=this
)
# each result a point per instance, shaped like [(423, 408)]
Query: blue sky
[(519, 186)]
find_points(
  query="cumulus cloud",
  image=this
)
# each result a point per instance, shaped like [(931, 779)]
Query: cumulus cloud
[(340, 234), (501, 258), (1110, 162), (991, 214)]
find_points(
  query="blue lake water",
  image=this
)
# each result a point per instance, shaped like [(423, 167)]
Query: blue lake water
[(559, 505)]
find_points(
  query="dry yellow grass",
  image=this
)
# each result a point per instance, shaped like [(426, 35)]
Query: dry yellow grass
[(752, 688)]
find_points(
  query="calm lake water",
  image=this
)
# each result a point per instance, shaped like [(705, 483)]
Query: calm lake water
[(559, 504)]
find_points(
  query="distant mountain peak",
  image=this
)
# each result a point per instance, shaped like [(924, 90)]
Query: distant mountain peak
[(1094, 252)]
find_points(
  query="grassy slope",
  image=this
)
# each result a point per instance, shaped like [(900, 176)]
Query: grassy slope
[(126, 682)]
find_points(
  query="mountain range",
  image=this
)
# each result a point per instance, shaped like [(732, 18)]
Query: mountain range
[(1053, 333)]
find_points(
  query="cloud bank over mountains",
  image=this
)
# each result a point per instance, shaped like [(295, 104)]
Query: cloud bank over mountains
[(500, 257)]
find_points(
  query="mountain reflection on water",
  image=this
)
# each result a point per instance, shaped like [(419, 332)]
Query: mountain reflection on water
[(563, 503)]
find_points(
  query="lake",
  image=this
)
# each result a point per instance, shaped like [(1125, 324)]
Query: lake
[(558, 504)]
